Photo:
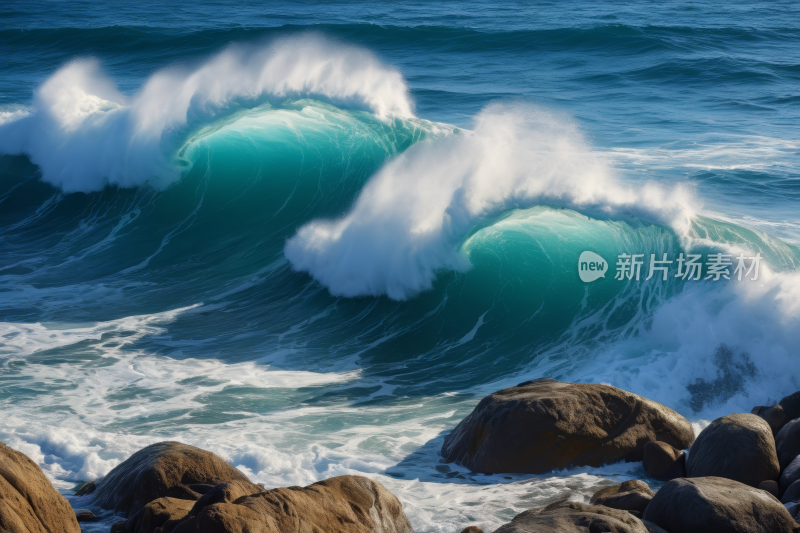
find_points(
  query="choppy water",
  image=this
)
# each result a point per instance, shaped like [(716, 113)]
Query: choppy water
[(310, 237)]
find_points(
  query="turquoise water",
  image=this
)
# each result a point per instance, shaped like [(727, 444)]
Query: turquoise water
[(310, 237)]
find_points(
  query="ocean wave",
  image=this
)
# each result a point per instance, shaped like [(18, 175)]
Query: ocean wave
[(411, 218), (84, 134)]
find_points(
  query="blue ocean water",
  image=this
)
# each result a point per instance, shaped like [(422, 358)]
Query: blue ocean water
[(311, 236)]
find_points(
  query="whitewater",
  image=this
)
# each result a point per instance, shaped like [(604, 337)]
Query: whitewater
[(312, 243)]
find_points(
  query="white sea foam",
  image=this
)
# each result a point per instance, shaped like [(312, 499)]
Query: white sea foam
[(84, 134), (410, 219)]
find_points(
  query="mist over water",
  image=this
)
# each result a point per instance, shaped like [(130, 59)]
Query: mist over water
[(312, 243)]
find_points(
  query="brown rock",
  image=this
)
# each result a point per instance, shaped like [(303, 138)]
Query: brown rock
[(28, 501), (738, 447), (345, 504), (632, 485), (538, 426), (626, 501), (472, 529), (227, 492), (705, 504), (770, 486), (659, 460), (157, 513), (573, 517), (165, 469)]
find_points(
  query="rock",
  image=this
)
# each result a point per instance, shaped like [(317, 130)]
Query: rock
[(157, 513), (794, 510), (758, 409), (791, 406), (784, 459), (85, 516), (545, 424), (28, 501), (227, 492), (792, 493), (738, 447), (626, 501), (573, 517), (86, 488), (653, 528), (165, 469), (118, 527), (770, 486), (344, 504), (787, 441), (633, 485), (704, 504), (472, 529), (791, 473), (775, 417), (660, 460)]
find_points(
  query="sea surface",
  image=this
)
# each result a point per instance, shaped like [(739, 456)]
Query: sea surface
[(311, 236)]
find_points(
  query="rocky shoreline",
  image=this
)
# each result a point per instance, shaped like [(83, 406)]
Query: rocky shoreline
[(741, 474)]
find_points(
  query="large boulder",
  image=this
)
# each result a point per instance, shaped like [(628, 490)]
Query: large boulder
[(542, 425), (344, 504), (28, 501), (738, 447), (787, 441), (162, 470), (705, 504), (573, 517), (662, 461)]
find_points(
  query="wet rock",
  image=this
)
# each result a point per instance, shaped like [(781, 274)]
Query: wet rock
[(28, 501), (545, 424), (738, 447), (660, 460), (573, 517), (162, 470), (633, 485), (787, 441), (792, 493), (472, 529), (704, 504), (770, 486), (83, 515)]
